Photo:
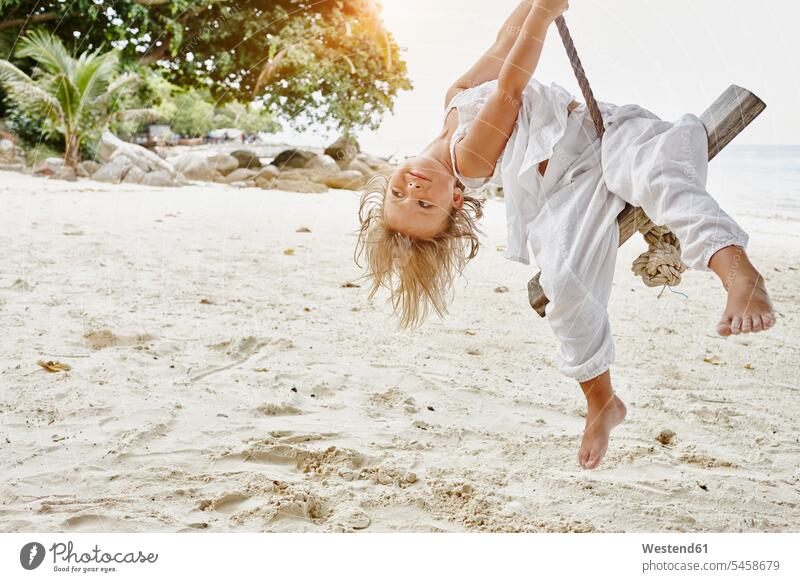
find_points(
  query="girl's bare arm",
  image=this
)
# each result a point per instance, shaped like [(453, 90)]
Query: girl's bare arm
[(487, 68), (488, 135)]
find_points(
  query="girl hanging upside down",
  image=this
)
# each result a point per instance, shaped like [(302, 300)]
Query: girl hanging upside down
[(563, 190)]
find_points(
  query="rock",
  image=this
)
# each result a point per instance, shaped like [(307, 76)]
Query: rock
[(112, 147), (300, 185), (345, 180), (14, 167), (160, 178), (195, 166), (293, 159), (362, 167), (48, 167), (65, 173), (10, 154), (107, 146), (268, 172), (343, 150), (377, 164), (87, 168), (114, 171), (223, 163), (134, 176), (239, 175), (323, 163), (247, 159), (304, 174)]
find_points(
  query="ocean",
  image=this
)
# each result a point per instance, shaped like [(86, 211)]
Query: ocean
[(763, 180)]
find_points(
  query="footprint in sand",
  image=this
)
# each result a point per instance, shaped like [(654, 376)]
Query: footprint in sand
[(90, 522), (278, 410), (20, 285), (105, 338), (225, 503)]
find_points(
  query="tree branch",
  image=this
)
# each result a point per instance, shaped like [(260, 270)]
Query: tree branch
[(33, 18)]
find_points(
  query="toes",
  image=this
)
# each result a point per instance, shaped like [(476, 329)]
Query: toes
[(724, 327), (736, 325), (747, 324), (758, 324), (768, 319), (583, 457), (594, 458)]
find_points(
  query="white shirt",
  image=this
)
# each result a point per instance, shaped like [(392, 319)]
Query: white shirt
[(541, 123)]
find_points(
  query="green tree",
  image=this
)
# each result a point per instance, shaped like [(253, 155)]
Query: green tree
[(329, 62), (194, 113), (249, 117), (74, 96)]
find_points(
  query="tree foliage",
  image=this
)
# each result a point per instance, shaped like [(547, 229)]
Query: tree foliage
[(74, 96), (328, 62)]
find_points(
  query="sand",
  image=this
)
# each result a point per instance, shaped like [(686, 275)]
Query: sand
[(224, 377)]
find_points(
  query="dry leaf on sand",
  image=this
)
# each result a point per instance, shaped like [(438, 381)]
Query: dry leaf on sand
[(53, 366)]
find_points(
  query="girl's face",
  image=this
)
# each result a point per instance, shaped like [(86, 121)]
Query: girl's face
[(420, 198)]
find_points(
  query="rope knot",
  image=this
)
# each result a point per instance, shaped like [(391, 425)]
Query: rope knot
[(661, 264)]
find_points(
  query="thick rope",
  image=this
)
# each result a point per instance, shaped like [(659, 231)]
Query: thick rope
[(580, 75), (661, 264)]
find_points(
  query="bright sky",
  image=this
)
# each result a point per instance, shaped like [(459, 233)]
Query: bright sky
[(671, 56)]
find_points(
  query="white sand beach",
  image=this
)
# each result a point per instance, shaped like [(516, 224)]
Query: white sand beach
[(224, 377)]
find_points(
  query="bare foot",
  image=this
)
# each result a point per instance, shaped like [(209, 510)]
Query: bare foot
[(749, 309), (600, 419)]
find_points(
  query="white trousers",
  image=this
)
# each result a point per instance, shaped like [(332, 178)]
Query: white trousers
[(657, 165)]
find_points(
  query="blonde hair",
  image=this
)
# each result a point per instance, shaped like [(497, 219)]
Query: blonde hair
[(418, 273)]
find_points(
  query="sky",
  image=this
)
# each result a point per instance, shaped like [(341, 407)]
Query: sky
[(670, 56)]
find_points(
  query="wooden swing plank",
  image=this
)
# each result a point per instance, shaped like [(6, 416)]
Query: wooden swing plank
[(724, 120)]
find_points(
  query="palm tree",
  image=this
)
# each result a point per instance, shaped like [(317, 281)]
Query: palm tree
[(76, 96)]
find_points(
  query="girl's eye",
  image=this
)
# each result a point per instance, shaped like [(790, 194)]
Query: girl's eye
[(424, 204), (397, 194)]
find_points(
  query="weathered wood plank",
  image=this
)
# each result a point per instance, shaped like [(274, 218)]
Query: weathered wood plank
[(726, 118)]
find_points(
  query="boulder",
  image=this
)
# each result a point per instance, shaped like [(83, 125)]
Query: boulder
[(323, 163), (195, 166), (268, 172), (362, 167), (112, 147), (304, 174), (239, 175), (11, 154), (294, 185), (343, 150), (65, 173), (48, 167), (114, 171), (223, 163), (6, 146), (134, 176), (377, 164), (160, 178), (247, 159), (346, 180), (293, 158), (87, 168)]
